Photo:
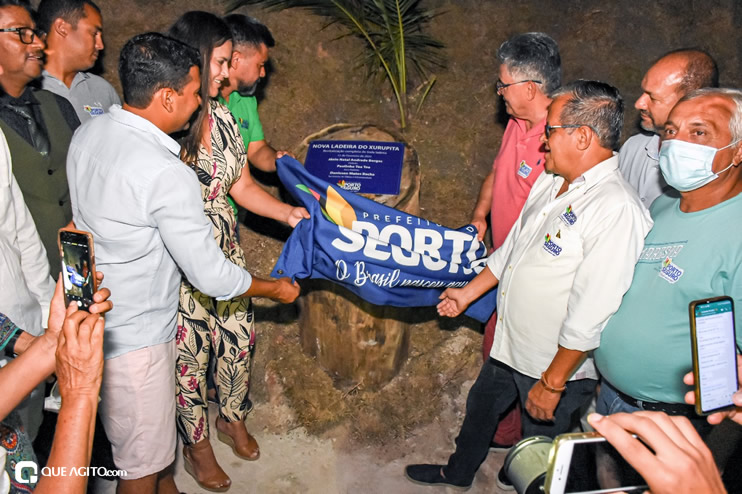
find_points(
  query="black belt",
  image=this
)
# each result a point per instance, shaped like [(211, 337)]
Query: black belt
[(669, 408)]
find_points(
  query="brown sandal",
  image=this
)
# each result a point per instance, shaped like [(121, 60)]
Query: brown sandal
[(235, 435), (201, 464)]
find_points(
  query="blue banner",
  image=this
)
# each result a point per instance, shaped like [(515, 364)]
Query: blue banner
[(383, 255)]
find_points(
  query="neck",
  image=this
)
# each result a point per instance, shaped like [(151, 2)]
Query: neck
[(538, 112), (56, 67), (227, 89), (152, 116), (13, 89), (713, 193), (590, 160)]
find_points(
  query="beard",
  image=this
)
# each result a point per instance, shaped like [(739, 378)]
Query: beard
[(248, 89)]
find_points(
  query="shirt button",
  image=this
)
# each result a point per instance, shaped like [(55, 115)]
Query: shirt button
[(50, 172), (501, 318), (61, 203), (503, 293)]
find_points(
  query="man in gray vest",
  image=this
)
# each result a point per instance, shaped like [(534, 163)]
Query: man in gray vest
[(37, 124), (74, 39), (667, 80)]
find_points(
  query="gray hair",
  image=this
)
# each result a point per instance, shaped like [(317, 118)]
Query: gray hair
[(595, 104), (735, 123), (534, 56)]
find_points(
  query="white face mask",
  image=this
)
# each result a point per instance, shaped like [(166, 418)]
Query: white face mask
[(686, 166)]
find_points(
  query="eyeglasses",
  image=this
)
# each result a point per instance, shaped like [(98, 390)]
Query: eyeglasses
[(499, 85), (549, 128), (26, 34)]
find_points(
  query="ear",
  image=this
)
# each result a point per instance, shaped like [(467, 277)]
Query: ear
[(166, 98), (584, 136), (531, 91), (737, 159), (236, 59), (60, 27)]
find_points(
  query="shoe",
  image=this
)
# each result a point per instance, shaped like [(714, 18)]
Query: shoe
[(235, 435), (503, 482), (201, 464), (499, 448), (431, 475)]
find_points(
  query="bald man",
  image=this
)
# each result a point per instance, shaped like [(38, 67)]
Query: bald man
[(667, 80)]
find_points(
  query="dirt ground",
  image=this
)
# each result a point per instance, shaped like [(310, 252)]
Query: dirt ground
[(315, 435)]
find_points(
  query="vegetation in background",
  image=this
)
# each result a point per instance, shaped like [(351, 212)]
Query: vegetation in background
[(398, 50)]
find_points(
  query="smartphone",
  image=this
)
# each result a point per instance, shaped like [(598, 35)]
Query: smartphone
[(586, 463), (78, 267), (714, 353)]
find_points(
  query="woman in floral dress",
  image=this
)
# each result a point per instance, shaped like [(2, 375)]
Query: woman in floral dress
[(206, 326)]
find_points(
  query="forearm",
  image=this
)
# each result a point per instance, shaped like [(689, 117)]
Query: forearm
[(262, 156), (564, 364), (481, 284), (72, 446), (258, 201), (25, 372), (484, 201)]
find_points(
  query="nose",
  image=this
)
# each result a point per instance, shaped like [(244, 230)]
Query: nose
[(262, 72), (543, 138), (225, 70), (641, 103), (99, 42)]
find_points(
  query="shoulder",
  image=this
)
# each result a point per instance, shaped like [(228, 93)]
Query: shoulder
[(68, 111)]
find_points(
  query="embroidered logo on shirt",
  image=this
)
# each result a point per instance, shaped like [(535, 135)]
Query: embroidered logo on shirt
[(244, 123), (551, 247), (94, 111), (569, 217), (524, 170), (670, 272)]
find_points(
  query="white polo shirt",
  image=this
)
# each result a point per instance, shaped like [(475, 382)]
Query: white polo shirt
[(565, 266)]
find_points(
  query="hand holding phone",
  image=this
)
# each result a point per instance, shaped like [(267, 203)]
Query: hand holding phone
[(714, 354), (78, 267), (734, 414)]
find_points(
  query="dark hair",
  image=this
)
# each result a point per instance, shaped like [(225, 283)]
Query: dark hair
[(533, 56), (203, 31), (69, 10), (595, 104), (152, 61), (700, 70), (17, 3), (249, 31)]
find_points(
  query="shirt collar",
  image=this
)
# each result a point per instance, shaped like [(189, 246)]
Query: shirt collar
[(26, 98), (131, 120), (536, 131), (653, 147), (79, 77), (598, 172)]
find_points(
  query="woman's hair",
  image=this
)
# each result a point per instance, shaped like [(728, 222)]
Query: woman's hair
[(203, 31)]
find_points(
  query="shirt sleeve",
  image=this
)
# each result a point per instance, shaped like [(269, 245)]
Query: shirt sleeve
[(178, 212), (611, 256)]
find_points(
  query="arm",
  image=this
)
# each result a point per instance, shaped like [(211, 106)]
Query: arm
[(544, 396), (484, 204), (454, 301), (79, 366), (282, 290), (262, 155), (680, 463), (251, 196)]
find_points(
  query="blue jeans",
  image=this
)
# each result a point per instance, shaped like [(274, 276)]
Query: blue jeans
[(496, 388)]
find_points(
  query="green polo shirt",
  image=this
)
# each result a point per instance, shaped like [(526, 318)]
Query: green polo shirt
[(245, 111)]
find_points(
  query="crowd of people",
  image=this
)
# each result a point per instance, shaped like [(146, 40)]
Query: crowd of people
[(610, 244)]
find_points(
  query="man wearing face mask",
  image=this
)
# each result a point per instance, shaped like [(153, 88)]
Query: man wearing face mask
[(669, 79), (251, 41), (694, 251)]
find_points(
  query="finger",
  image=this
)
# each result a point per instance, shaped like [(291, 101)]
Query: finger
[(688, 379), (627, 446), (99, 276), (668, 426), (70, 328), (443, 295), (688, 431), (85, 329), (690, 398), (102, 295)]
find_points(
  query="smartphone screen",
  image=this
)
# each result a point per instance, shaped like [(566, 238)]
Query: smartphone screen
[(715, 353), (588, 464), (77, 268)]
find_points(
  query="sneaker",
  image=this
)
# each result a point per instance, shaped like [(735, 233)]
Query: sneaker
[(499, 448), (431, 475), (503, 482)]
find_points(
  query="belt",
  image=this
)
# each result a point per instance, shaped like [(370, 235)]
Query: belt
[(669, 408)]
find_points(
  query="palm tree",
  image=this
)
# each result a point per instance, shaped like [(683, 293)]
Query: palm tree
[(393, 32)]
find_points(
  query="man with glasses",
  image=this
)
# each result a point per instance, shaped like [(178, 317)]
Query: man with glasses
[(74, 41), (562, 271), (667, 80), (529, 69), (37, 124)]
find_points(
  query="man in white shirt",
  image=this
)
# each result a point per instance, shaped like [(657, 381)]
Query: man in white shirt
[(74, 39), (562, 271), (669, 79), (144, 208)]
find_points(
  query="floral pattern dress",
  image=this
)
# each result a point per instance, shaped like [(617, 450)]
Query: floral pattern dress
[(208, 328)]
